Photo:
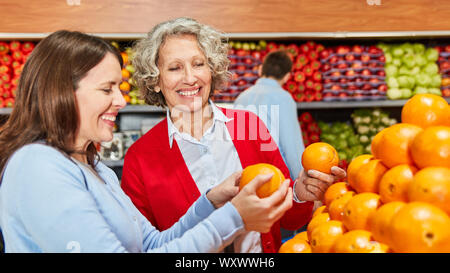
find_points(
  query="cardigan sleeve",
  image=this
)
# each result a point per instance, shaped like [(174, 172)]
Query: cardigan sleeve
[(132, 184)]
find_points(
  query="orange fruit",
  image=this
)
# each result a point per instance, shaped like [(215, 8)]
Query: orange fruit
[(420, 227), (353, 167), (125, 74), (302, 235), (124, 57), (395, 143), (250, 172), (381, 219), (320, 156), (127, 98), (431, 147), (358, 241), (316, 221), (125, 86), (334, 191), (426, 110), (320, 210), (336, 209), (376, 142), (324, 236), (431, 185), (295, 245), (394, 183), (369, 176), (359, 209)]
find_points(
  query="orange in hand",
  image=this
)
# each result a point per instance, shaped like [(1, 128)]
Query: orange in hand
[(320, 156), (426, 110), (250, 172)]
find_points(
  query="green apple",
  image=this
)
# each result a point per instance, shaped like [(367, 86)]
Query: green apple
[(435, 91), (391, 70), (397, 51), (387, 57), (404, 70), (130, 68), (396, 61), (406, 93), (436, 81), (423, 79), (392, 82), (431, 68), (407, 48), (409, 60), (394, 93), (420, 60), (431, 54), (420, 90), (406, 82), (419, 48), (414, 71)]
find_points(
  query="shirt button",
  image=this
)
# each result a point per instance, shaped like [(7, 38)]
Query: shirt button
[(134, 218)]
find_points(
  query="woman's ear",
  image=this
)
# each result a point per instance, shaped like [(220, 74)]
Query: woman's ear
[(157, 89)]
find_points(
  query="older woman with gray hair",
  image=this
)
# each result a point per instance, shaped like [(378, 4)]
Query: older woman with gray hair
[(179, 65)]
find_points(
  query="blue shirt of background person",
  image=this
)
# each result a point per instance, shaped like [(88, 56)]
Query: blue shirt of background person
[(276, 108)]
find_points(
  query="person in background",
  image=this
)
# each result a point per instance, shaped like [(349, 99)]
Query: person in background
[(179, 65), (55, 194), (276, 107)]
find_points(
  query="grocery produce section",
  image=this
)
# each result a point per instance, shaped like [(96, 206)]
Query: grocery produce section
[(362, 84), (396, 195)]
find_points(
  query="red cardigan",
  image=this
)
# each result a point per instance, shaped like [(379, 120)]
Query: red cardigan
[(158, 181)]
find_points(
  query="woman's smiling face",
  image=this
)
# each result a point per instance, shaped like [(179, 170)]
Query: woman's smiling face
[(185, 76), (99, 100)]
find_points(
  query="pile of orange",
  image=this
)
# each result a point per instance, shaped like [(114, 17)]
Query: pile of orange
[(396, 199)]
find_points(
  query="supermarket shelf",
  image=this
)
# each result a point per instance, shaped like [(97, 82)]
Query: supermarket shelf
[(260, 35), (5, 111), (133, 109), (113, 163), (142, 109), (349, 104)]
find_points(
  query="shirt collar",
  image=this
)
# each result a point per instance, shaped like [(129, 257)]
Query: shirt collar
[(267, 81), (218, 116)]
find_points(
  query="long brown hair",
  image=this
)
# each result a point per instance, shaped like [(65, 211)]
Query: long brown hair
[(45, 106)]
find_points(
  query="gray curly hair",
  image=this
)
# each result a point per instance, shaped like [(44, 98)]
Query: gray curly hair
[(146, 52)]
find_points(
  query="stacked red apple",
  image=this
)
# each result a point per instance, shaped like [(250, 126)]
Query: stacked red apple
[(310, 128), (245, 58), (444, 69), (12, 58), (305, 84), (353, 73)]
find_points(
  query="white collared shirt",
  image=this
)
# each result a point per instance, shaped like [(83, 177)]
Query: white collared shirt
[(210, 161)]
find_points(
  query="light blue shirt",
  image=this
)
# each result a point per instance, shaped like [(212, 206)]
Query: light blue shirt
[(210, 161), (278, 110), (51, 203)]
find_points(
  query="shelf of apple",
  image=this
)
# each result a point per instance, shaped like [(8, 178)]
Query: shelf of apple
[(246, 58), (444, 69), (411, 68), (353, 73), (128, 87), (13, 55)]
